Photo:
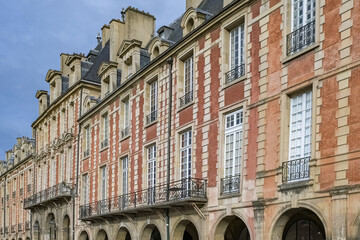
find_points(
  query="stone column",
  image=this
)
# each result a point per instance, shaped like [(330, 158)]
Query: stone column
[(339, 205), (259, 219)]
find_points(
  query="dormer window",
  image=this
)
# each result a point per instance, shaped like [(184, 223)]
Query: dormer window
[(190, 25), (192, 19), (156, 52)]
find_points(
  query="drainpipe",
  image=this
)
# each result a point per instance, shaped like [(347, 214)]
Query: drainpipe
[(170, 63), (77, 167)]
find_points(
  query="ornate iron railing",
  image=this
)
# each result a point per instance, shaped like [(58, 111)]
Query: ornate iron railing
[(125, 132), (104, 143), (29, 188), (27, 226), (188, 188), (300, 38), (13, 228), (235, 73), (61, 189), (187, 98), (86, 153), (296, 170), (151, 117), (7, 229), (230, 185), (20, 227)]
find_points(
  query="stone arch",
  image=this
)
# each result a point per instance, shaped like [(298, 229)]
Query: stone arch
[(355, 227), (36, 230), (290, 219), (66, 228), (123, 234), (186, 230), (156, 51), (231, 228), (102, 235), (50, 227), (151, 232), (27, 238), (84, 235)]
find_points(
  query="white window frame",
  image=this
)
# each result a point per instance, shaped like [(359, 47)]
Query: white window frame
[(105, 126), (153, 97), (103, 182), (297, 21), (237, 34), (186, 154), (126, 113), (188, 75), (85, 188), (124, 175), (87, 138), (151, 166), (62, 167)]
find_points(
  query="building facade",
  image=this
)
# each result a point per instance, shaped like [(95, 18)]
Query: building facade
[(239, 120)]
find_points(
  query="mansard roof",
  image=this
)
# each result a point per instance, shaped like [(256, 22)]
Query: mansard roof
[(103, 56)]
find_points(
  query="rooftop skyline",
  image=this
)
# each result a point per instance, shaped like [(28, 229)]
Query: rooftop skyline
[(35, 33)]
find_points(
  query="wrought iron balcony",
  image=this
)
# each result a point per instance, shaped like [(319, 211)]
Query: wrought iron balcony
[(86, 153), (296, 170), (20, 227), (230, 185), (180, 193), (27, 226), (55, 193), (29, 188), (7, 229), (151, 117), (125, 132), (301, 38), (235, 73), (13, 228), (187, 98), (104, 143)]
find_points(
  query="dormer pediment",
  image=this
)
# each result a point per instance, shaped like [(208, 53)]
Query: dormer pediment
[(52, 74), (40, 92), (127, 45), (192, 19), (156, 46), (105, 67), (70, 59)]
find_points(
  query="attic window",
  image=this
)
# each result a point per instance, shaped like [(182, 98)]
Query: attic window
[(190, 25), (156, 52)]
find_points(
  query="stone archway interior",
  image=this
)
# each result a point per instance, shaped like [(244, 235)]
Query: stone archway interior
[(185, 230), (36, 230), (304, 225), (101, 235), (66, 228), (151, 232), (123, 234), (155, 235), (232, 228), (83, 236)]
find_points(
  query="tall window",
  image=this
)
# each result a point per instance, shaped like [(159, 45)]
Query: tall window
[(62, 167), (299, 137), (124, 172), (236, 54), (302, 25), (85, 188), (151, 162), (104, 143), (153, 102), (69, 164), (87, 141), (53, 172), (126, 118), (103, 174), (188, 82), (185, 154)]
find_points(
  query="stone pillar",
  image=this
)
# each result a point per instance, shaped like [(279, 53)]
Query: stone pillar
[(339, 205), (259, 219)]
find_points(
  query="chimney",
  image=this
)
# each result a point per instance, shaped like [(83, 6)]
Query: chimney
[(193, 3), (105, 34)]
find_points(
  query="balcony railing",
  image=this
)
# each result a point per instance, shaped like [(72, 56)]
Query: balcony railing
[(13, 228), (300, 38), (29, 188), (230, 185), (20, 227), (187, 98), (27, 226), (190, 189), (7, 229), (21, 191), (86, 153), (296, 170), (125, 132), (58, 191), (235, 73), (151, 117), (104, 143)]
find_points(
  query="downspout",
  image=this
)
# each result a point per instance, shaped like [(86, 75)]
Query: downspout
[(77, 166), (170, 63)]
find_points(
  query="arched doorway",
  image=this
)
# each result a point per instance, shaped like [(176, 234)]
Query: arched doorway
[(50, 227), (185, 230), (36, 230), (66, 228), (84, 236), (151, 232), (101, 235), (299, 223), (123, 234), (232, 228)]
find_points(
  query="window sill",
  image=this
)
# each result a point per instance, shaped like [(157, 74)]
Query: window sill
[(124, 138), (104, 148), (296, 185), (185, 106), (84, 158), (151, 123), (229, 195), (299, 53), (240, 79)]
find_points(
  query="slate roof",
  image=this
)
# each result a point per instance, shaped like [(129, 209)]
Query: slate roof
[(212, 6), (103, 56)]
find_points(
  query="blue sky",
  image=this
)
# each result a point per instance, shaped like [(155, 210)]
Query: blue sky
[(34, 33)]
